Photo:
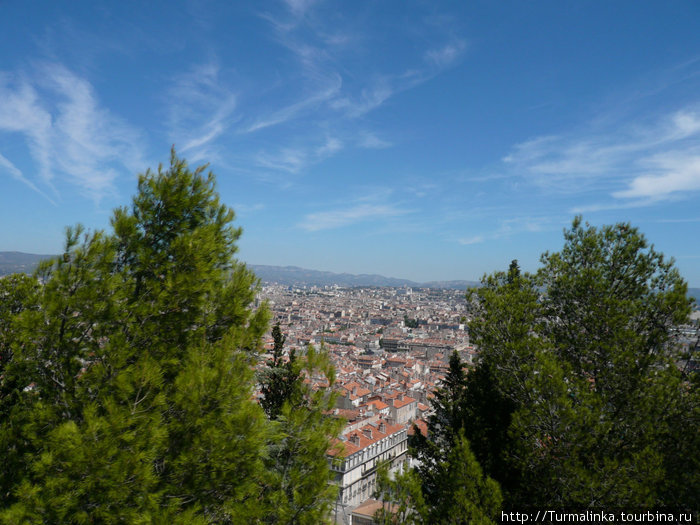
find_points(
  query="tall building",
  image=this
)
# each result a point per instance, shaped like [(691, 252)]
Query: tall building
[(357, 456)]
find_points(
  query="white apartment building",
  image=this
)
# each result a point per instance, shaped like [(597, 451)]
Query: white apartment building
[(356, 459)]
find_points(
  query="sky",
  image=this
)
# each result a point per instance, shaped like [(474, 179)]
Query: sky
[(424, 140)]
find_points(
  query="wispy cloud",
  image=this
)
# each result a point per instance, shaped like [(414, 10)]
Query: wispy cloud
[(286, 159), (513, 226), (67, 131), (382, 87), (291, 111), (331, 147), (328, 92), (201, 109), (17, 174), (362, 212), (669, 174), (247, 208), (296, 159), (476, 239), (368, 99), (370, 140), (612, 205), (23, 112), (299, 7), (648, 162), (446, 55)]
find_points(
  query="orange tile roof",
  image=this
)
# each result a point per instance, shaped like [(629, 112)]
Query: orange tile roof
[(377, 404), (398, 403), (422, 427), (371, 506), (347, 447)]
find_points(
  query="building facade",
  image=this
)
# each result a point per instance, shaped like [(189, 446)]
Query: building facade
[(357, 456)]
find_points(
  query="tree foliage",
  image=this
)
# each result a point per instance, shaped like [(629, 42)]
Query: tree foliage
[(127, 383), (298, 488), (444, 425), (401, 496), (280, 381), (452, 482), (578, 393)]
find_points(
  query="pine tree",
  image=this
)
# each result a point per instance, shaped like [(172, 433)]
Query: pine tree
[(581, 363), (472, 497), (298, 488), (444, 425), (452, 483), (131, 396), (401, 496), (280, 381), (507, 312)]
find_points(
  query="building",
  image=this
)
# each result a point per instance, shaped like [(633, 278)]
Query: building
[(364, 514), (403, 409), (357, 455)]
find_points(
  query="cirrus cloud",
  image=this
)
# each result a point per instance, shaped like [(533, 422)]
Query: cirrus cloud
[(69, 135), (652, 162), (362, 212)]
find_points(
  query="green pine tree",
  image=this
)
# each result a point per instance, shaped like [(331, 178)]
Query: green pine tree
[(444, 426), (452, 483), (127, 383), (402, 498), (280, 381), (581, 364), (298, 488)]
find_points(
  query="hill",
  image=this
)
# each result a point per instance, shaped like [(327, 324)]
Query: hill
[(18, 262), (295, 276), (13, 262)]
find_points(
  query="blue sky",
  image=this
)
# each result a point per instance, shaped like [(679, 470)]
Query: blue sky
[(424, 140)]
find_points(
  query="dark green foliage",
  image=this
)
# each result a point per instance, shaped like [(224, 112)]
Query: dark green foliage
[(452, 482), (402, 498), (410, 323), (18, 293), (513, 307), (127, 383), (280, 382), (297, 488), (472, 498), (443, 427), (577, 399)]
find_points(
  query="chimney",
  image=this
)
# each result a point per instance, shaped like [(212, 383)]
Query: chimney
[(400, 397), (355, 439), (368, 432), (382, 427)]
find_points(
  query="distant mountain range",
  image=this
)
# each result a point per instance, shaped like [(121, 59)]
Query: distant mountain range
[(13, 262), (295, 276), (18, 262)]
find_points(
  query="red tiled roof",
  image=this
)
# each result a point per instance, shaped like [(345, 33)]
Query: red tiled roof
[(377, 404), (422, 427), (398, 403), (348, 447)]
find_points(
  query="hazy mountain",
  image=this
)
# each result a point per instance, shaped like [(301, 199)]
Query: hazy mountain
[(17, 262), (13, 262), (295, 276), (695, 294)]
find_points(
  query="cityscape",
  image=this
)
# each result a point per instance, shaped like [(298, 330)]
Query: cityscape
[(390, 347), (302, 262)]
